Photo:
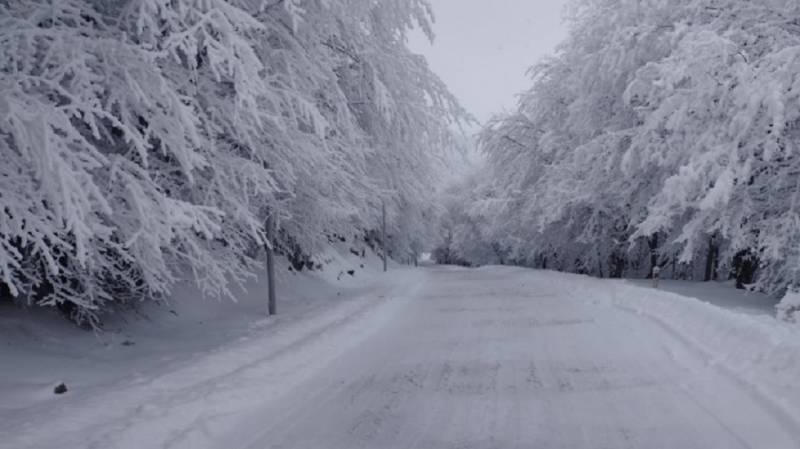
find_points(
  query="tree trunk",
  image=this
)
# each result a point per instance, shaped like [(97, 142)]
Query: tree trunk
[(383, 236), (745, 265), (270, 248), (616, 268), (712, 259), (653, 244)]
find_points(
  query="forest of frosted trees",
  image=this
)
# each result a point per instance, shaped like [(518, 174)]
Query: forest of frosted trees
[(147, 141), (144, 141), (660, 133)]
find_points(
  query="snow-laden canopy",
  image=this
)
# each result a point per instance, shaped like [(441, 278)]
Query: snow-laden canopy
[(662, 132), (144, 139)]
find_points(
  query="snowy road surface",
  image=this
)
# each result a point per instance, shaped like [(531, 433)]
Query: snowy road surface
[(506, 359), (441, 358)]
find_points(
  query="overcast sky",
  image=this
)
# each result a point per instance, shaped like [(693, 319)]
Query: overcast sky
[(484, 47)]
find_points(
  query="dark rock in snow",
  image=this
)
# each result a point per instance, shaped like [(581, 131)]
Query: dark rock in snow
[(60, 388), (351, 272)]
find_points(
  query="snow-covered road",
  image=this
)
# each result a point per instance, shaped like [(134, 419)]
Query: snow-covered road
[(443, 358), (510, 359)]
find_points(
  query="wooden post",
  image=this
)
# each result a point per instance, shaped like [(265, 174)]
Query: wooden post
[(383, 236), (271, 266)]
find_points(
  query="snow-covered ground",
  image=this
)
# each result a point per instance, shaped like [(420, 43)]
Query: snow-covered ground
[(39, 349), (722, 294), (431, 358)]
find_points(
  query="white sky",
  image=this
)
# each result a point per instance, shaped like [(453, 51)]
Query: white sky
[(484, 47)]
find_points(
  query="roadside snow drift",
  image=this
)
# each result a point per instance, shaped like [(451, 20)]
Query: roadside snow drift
[(761, 351)]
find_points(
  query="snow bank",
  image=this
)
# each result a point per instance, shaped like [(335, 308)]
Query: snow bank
[(721, 294), (182, 373), (789, 306), (39, 348), (760, 351)]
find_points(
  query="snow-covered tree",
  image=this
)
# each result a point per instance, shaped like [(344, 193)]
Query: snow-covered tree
[(146, 139), (660, 133), (95, 135)]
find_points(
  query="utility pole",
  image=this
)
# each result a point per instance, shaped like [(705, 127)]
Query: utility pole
[(383, 236), (270, 247)]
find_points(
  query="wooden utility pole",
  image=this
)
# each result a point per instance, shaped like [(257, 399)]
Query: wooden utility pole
[(383, 236), (270, 247)]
